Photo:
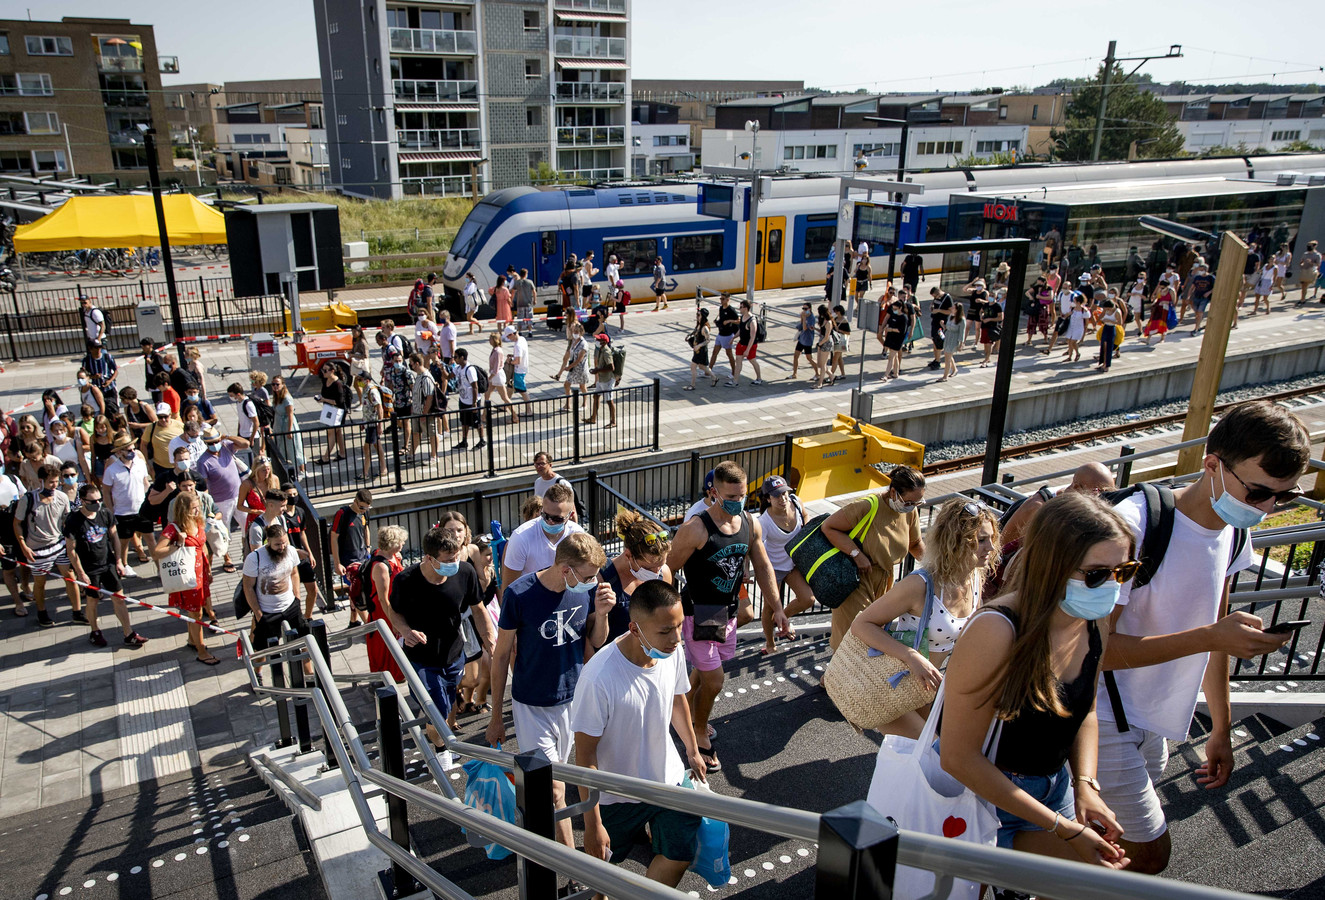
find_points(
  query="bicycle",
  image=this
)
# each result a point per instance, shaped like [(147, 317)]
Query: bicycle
[(216, 252)]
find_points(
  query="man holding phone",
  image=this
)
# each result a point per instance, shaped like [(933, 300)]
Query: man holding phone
[(1171, 638)]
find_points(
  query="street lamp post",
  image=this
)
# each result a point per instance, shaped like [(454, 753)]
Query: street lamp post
[(154, 179), (901, 177), (193, 142)]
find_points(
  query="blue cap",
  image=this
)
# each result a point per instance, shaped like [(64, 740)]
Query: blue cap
[(708, 481)]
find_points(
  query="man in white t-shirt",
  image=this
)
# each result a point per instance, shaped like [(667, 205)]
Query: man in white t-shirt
[(271, 587), (446, 336), (466, 385), (710, 497), (1172, 638), (94, 321), (520, 360), (250, 429), (546, 475), (533, 546), (628, 695)]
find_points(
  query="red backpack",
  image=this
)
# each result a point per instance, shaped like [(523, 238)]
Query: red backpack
[(415, 302), (356, 577)]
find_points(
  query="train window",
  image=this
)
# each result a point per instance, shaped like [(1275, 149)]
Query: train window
[(936, 229), (696, 251), (549, 243), (820, 232), (635, 257), (775, 245)]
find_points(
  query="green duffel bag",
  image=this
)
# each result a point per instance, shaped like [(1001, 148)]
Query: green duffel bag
[(831, 574)]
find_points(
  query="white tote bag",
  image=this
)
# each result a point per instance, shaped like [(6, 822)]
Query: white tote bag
[(178, 570), (218, 537), (911, 788), (331, 416)]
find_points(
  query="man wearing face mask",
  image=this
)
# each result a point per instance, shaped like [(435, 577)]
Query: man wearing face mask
[(94, 552), (127, 480), (39, 528), (627, 697), (194, 397), (547, 614), (427, 601), (894, 531), (1171, 632), (190, 440), (533, 545)]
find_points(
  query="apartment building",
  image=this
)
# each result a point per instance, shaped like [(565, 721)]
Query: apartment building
[(72, 94), (441, 97), (660, 143), (1257, 121), (697, 99)]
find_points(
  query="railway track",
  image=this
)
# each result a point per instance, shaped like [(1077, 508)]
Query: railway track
[(961, 463)]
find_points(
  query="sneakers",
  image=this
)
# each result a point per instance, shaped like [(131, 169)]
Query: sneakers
[(729, 383), (97, 639), (129, 572), (78, 617), (463, 445), (134, 640), (934, 364), (481, 444), (758, 381), (44, 619)]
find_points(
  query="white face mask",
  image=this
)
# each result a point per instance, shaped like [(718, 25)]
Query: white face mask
[(644, 574)]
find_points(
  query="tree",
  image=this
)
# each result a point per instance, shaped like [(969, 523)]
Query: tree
[(1131, 115)]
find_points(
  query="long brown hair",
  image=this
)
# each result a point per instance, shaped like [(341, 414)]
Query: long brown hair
[(1059, 536)]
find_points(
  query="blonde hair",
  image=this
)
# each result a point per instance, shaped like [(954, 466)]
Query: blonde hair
[(180, 516), (391, 537), (531, 508), (256, 378), (494, 340), (635, 528), (580, 549), (951, 540), (193, 353)]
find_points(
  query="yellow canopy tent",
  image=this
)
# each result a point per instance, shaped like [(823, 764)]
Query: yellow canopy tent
[(121, 221)]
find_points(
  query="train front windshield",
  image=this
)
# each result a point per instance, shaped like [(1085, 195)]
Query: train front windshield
[(467, 238)]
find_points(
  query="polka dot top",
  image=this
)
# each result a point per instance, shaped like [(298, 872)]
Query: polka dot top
[(944, 627)]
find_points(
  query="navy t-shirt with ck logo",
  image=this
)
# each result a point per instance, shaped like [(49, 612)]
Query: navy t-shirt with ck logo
[(549, 640)]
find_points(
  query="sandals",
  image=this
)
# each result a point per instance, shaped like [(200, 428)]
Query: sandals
[(209, 660), (228, 567)]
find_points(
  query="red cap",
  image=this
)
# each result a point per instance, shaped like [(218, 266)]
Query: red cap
[(602, 337)]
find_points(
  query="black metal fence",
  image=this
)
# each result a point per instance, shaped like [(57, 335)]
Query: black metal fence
[(1285, 582), (511, 435)]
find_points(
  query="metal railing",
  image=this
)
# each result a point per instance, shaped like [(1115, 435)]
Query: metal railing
[(438, 138), (591, 135), (589, 46), (430, 91), (433, 40), (591, 91), (612, 6), (435, 185), (120, 63), (609, 174)]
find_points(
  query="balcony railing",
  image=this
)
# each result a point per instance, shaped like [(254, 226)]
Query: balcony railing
[(126, 138), (433, 40), (122, 99), (588, 46), (437, 186), (594, 174), (612, 6), (434, 91), (438, 138), (591, 136), (120, 63), (591, 92)]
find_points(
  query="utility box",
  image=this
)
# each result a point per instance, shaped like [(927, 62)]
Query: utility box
[(147, 314), (264, 354), (281, 244), (356, 255)]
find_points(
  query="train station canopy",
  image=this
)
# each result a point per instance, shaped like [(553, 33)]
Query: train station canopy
[(121, 221)]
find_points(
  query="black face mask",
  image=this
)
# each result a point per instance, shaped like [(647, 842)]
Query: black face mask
[(92, 506), (47, 492)]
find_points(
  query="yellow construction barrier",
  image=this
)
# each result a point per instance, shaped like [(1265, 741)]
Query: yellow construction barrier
[(848, 459), (324, 318)]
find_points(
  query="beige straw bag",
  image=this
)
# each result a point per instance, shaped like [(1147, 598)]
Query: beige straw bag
[(871, 691)]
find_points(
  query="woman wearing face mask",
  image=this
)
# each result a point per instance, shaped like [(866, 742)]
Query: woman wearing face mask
[(1041, 770), (894, 531), (52, 409), (892, 334), (65, 446), (193, 365), (89, 394), (961, 551), (643, 558), (779, 524), (477, 671), (102, 436)]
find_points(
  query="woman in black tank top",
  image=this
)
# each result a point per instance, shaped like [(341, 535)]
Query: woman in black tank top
[(1077, 550)]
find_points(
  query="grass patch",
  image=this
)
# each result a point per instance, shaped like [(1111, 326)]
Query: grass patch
[(1300, 515), (391, 224)]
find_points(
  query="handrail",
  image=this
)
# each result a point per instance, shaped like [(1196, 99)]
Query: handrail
[(1110, 463), (300, 790)]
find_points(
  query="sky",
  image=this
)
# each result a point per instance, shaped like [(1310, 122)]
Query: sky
[(820, 43)]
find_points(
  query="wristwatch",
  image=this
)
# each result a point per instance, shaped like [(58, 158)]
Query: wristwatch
[(1087, 779), (855, 552)]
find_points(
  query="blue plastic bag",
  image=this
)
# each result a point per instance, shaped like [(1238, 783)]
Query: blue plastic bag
[(711, 859), (488, 789)]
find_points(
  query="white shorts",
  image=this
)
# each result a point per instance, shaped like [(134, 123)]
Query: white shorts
[(1130, 764), (545, 728), (227, 510), (1134, 301)]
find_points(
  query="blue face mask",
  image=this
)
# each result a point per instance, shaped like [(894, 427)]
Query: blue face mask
[(446, 569), (1232, 510), (1087, 602), (550, 529), (583, 588), (653, 652), (732, 507)]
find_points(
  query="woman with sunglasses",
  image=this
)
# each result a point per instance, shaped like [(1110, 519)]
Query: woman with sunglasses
[(961, 550), (643, 557), (1040, 772), (781, 521)]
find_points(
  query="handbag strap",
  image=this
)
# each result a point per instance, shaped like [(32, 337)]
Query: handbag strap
[(930, 731), (866, 520), (929, 607)]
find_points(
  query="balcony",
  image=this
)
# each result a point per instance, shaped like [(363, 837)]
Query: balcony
[(125, 99), (593, 174), (434, 91), (438, 139), (433, 40), (607, 6), (436, 186), (589, 47), (120, 63), (591, 92), (591, 136), (127, 138)]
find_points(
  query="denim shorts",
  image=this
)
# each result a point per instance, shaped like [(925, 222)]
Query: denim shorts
[(1054, 791)]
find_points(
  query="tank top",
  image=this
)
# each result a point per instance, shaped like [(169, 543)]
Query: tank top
[(618, 617), (714, 573), (776, 540), (944, 628), (1037, 742)]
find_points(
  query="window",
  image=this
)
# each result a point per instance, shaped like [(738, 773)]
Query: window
[(1286, 136), (49, 46), (931, 148), (49, 161), (696, 251), (533, 68), (15, 161), (36, 85), (1002, 112), (820, 231), (344, 162), (533, 116), (333, 28), (1035, 111), (887, 149), (636, 256), (531, 20), (42, 123), (12, 123), (536, 158), (4, 45), (129, 157)]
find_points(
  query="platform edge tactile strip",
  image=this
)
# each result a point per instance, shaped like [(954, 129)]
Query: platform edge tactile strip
[(156, 734)]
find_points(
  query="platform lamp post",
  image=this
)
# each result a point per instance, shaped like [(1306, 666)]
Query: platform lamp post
[(901, 175), (154, 179), (1007, 348), (1214, 343)]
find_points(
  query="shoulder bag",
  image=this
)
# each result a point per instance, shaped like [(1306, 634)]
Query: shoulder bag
[(831, 574)]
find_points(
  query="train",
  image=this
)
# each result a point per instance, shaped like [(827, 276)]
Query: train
[(539, 230)]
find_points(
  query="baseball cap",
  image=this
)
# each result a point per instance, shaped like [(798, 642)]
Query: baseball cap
[(509, 329), (1084, 278), (163, 409), (708, 481), (774, 485), (602, 337)]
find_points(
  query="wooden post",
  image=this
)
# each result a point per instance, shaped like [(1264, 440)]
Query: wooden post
[(1214, 344)]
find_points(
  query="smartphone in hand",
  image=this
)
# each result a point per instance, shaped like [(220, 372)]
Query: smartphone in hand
[(1288, 627)]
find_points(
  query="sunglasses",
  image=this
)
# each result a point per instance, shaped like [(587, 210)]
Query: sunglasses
[(974, 508), (1122, 574), (553, 520), (660, 537), (1257, 495)]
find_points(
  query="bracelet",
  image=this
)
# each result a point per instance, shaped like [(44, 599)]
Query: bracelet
[(1078, 834), (1054, 828)]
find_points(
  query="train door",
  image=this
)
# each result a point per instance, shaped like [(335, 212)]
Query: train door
[(547, 256), (769, 251)]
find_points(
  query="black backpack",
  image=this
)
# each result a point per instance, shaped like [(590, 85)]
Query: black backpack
[(266, 413), (1160, 515), (480, 383), (761, 330)]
